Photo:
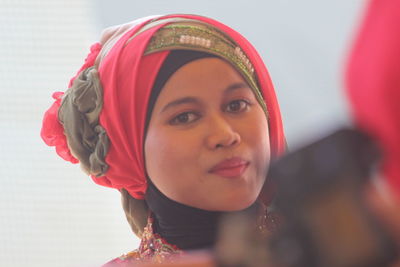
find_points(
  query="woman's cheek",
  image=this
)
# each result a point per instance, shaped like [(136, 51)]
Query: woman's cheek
[(175, 152), (261, 145)]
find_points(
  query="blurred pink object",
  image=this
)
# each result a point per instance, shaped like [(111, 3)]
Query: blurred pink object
[(373, 82)]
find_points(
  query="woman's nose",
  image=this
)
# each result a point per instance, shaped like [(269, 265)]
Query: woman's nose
[(221, 133)]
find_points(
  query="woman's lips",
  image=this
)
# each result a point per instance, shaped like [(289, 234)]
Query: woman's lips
[(230, 168)]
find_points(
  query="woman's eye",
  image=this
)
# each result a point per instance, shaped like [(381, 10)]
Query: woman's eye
[(184, 118), (237, 106)]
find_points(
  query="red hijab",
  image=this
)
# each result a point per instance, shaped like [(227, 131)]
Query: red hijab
[(127, 78), (373, 81)]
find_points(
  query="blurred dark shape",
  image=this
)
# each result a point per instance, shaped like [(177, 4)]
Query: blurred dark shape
[(326, 222)]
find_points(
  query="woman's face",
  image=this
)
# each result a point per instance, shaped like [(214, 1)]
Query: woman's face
[(207, 144)]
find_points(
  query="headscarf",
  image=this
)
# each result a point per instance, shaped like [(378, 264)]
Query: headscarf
[(126, 63), (373, 82)]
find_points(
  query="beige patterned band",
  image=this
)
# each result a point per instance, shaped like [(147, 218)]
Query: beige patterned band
[(188, 34)]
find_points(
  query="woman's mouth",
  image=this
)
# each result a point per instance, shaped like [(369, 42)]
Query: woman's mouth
[(230, 168)]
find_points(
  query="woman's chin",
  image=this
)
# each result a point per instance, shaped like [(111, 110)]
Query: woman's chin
[(241, 205), (234, 204)]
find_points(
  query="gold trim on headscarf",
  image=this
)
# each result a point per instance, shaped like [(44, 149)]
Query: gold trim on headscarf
[(189, 34)]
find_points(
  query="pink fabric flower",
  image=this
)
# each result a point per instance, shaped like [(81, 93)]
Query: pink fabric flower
[(52, 131)]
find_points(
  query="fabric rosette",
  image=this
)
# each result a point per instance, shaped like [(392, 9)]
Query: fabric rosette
[(52, 131)]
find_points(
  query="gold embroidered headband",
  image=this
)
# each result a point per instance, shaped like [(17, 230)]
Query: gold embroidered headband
[(189, 34)]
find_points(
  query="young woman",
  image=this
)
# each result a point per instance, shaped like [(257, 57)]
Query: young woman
[(178, 113)]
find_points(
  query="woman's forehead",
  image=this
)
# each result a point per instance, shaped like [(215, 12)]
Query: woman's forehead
[(205, 71), (206, 75)]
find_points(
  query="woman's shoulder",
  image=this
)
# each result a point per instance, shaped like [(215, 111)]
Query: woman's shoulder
[(152, 248)]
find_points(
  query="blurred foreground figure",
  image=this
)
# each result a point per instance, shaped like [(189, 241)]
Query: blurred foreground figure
[(324, 218), (328, 221), (373, 86)]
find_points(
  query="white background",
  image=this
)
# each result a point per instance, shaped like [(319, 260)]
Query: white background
[(51, 213)]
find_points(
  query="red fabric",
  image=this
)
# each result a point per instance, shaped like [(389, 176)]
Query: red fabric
[(127, 78), (373, 81), (52, 131)]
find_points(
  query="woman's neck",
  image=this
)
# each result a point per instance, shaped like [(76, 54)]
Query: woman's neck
[(181, 225)]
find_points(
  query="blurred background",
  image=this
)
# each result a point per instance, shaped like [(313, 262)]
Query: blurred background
[(51, 213)]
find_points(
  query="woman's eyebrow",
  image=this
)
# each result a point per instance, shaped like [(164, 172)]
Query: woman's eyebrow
[(189, 99), (235, 86), (180, 101)]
